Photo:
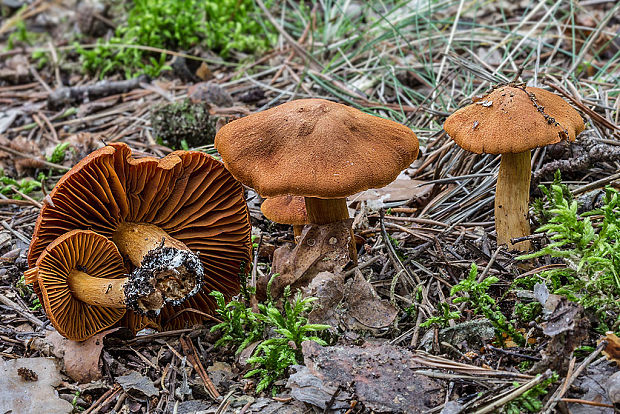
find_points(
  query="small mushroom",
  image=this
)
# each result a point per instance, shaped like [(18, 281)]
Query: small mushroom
[(519, 120), (317, 149), (286, 210), (172, 219), (83, 284)]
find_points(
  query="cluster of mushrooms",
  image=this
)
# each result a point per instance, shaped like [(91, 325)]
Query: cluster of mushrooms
[(138, 242), (142, 242)]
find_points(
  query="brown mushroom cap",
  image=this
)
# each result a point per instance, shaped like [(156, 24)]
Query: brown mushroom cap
[(190, 195), (90, 253), (315, 148), (286, 209), (507, 121)]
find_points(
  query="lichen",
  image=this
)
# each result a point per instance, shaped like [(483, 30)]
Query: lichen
[(183, 125)]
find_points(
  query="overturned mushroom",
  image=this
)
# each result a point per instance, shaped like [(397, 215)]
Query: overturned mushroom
[(321, 150), (512, 120), (82, 281), (172, 219), (286, 210)]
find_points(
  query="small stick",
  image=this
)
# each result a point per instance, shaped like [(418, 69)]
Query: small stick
[(108, 395), (192, 357), (14, 306), (15, 232), (514, 394), (578, 401), (559, 393), (31, 200), (30, 157)]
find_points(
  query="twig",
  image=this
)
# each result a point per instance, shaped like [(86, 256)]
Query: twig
[(392, 253), (559, 393), (107, 396), (68, 95), (31, 157), (15, 232), (14, 306), (300, 50), (585, 402), (597, 184), (514, 394), (192, 357)]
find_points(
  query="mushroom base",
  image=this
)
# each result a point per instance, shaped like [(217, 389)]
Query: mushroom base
[(167, 276), (512, 197), (325, 211)]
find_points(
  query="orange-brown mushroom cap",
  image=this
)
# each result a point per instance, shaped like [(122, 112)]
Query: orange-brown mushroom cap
[(286, 209), (508, 121), (315, 148), (90, 253), (190, 195)]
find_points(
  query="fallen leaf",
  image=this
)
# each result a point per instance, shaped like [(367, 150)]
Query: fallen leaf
[(18, 395), (137, 385), (321, 248), (612, 350), (613, 388), (210, 93), (81, 360), (567, 328), (595, 384), (307, 387), (365, 306), (328, 290), (398, 190), (382, 377)]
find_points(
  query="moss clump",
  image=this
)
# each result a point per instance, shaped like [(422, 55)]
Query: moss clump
[(183, 125)]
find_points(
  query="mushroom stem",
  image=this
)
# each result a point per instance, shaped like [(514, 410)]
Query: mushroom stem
[(326, 210), (330, 210), (97, 291), (166, 269), (112, 293), (512, 197), (136, 240)]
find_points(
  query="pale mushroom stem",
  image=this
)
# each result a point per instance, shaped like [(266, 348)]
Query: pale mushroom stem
[(330, 210), (326, 210), (512, 196), (96, 290), (136, 240)]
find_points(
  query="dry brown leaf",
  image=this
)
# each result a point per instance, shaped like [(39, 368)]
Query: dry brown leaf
[(612, 350), (398, 190), (321, 248), (365, 305)]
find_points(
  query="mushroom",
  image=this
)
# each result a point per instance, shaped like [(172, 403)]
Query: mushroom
[(321, 150), (512, 120), (172, 220), (83, 284), (286, 210)]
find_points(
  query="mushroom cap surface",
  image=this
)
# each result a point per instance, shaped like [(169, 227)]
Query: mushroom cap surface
[(190, 195), (315, 148), (90, 253), (507, 121), (286, 209)]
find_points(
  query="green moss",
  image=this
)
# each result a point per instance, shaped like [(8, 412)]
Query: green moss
[(178, 25)]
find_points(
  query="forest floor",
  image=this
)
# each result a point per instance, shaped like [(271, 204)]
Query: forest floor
[(533, 334)]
